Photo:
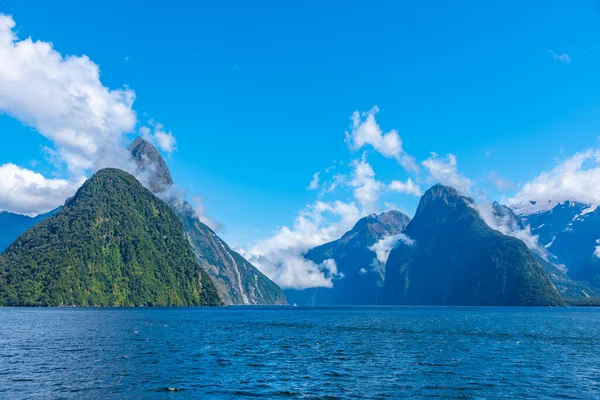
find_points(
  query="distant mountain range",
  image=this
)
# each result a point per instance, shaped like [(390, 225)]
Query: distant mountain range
[(13, 225), (529, 254), (113, 244), (237, 280), (362, 274), (570, 231)]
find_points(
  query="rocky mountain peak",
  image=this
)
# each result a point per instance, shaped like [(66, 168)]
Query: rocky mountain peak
[(152, 166)]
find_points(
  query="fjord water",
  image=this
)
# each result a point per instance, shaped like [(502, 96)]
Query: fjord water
[(334, 352)]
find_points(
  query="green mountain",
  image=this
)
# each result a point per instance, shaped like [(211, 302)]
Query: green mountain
[(356, 260), (457, 259), (238, 281), (113, 244)]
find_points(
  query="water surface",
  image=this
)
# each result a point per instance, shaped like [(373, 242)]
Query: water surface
[(295, 352)]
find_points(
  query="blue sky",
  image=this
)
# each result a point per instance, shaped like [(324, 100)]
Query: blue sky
[(259, 95)]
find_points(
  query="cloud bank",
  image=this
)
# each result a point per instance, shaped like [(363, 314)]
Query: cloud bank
[(576, 178), (63, 99)]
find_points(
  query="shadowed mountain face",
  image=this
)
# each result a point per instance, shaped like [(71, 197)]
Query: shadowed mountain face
[(356, 260), (13, 225), (113, 244), (237, 281), (457, 259), (566, 286), (571, 232)]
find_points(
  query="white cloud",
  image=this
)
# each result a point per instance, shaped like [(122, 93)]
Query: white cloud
[(63, 99), (159, 137), (507, 225), (577, 178), (446, 172), (314, 183), (408, 187), (364, 130), (561, 57), (281, 257), (384, 246), (597, 249), (367, 189), (26, 192)]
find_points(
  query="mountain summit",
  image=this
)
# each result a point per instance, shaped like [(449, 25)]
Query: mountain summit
[(457, 259), (238, 281), (151, 165), (113, 244), (358, 262)]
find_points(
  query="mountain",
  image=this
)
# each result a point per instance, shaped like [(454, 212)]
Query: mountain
[(457, 259), (570, 231), (13, 225), (113, 244), (514, 225), (356, 259), (151, 166), (238, 281)]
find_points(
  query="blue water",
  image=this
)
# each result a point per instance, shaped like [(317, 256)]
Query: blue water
[(364, 352)]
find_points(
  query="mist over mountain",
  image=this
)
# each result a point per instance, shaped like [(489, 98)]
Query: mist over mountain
[(457, 259), (237, 280), (570, 231), (360, 263)]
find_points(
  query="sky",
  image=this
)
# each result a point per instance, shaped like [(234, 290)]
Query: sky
[(285, 122)]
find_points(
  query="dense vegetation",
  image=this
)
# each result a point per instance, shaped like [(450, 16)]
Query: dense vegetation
[(113, 244), (237, 281), (587, 302), (459, 260)]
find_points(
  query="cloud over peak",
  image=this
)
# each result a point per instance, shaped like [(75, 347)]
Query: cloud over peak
[(445, 171), (62, 98), (576, 178)]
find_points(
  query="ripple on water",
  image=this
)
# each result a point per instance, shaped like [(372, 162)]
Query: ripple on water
[(336, 353)]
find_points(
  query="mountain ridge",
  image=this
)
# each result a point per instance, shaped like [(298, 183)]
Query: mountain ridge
[(237, 280), (457, 259), (362, 275), (112, 244)]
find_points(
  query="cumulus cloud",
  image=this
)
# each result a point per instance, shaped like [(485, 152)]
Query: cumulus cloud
[(314, 183), (384, 246), (156, 135), (364, 131), (281, 257), (367, 189), (445, 171), (63, 99), (565, 58), (408, 187), (26, 192), (577, 178)]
